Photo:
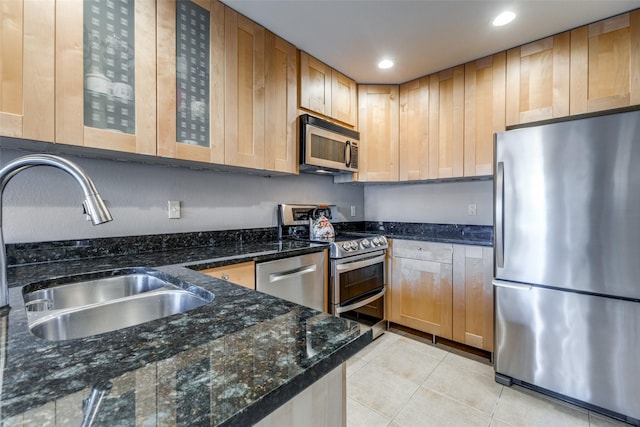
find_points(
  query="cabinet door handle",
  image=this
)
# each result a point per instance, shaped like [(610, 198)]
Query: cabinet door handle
[(225, 277)]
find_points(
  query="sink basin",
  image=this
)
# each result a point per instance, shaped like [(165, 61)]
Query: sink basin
[(84, 306), (92, 291)]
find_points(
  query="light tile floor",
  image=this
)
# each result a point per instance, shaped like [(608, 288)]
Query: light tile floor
[(403, 380)]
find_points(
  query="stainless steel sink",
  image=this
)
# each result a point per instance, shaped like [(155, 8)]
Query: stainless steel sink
[(92, 291), (81, 307)]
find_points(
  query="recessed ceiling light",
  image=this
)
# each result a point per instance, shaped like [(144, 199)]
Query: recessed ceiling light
[(385, 63), (504, 18)]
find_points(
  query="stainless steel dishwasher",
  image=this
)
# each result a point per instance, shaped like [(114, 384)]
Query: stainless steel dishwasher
[(298, 279)]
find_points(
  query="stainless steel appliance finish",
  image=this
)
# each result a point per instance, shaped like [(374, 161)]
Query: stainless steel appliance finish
[(358, 288), (567, 209), (327, 148), (298, 279), (357, 265)]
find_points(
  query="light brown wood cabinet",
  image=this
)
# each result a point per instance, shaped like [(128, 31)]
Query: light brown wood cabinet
[(176, 139), (379, 120), (414, 130), (85, 112), (281, 85), (326, 91), (473, 296), (27, 69), (420, 288), (243, 274), (538, 80), (605, 62), (244, 91), (446, 123), (442, 289), (484, 112)]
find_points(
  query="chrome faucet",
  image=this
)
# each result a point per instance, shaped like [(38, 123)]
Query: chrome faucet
[(93, 204)]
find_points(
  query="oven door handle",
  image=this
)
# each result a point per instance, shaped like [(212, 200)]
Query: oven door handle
[(359, 264), (362, 303)]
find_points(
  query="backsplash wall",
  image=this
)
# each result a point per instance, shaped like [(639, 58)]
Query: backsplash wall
[(439, 203), (44, 204)]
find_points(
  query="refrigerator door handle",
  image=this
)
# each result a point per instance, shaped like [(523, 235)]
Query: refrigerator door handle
[(499, 195), (511, 285)]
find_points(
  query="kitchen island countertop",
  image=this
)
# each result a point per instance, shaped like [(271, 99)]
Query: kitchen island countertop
[(229, 362)]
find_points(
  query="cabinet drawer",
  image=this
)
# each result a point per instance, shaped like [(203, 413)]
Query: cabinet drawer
[(242, 274), (427, 251)]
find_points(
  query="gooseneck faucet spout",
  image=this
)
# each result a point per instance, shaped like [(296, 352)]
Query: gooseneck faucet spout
[(93, 204)]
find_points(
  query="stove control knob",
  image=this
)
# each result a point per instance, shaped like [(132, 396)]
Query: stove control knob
[(354, 245), (346, 246), (376, 241), (383, 240), (365, 243)]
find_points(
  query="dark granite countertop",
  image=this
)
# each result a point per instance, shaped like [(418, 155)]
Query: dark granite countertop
[(229, 362), (477, 235)]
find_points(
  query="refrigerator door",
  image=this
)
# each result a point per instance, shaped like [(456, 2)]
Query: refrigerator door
[(581, 346), (568, 205)]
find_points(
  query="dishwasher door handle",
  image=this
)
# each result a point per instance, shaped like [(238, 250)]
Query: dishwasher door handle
[(300, 271)]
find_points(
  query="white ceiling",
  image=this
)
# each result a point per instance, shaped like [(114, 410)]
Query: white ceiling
[(421, 36)]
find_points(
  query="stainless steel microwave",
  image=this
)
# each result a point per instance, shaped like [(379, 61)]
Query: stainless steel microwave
[(327, 148)]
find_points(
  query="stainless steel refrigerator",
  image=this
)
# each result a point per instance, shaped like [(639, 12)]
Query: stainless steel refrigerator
[(567, 261)]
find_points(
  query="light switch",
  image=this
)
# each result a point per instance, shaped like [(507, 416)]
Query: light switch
[(353, 211), (174, 209)]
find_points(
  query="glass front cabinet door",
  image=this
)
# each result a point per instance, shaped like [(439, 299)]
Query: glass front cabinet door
[(191, 76), (106, 74)]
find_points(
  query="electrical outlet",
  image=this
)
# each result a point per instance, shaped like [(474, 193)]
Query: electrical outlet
[(471, 209), (353, 211), (173, 209)]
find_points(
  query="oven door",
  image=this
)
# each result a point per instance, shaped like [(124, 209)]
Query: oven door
[(358, 289)]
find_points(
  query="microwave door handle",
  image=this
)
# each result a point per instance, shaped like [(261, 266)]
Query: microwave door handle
[(347, 150)]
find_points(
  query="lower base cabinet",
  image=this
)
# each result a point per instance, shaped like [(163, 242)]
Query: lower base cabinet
[(243, 274), (443, 289)]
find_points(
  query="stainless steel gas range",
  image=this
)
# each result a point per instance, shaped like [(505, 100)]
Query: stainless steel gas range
[(357, 267)]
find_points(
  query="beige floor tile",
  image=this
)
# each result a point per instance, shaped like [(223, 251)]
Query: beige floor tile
[(380, 389), (597, 420), (470, 363), (522, 407), (428, 408), (499, 423), (377, 345), (359, 415), (408, 359), (408, 344), (478, 391), (354, 363)]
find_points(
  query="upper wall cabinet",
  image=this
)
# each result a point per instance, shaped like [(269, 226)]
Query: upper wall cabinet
[(414, 130), (538, 80), (191, 74), (446, 123), (281, 93), (379, 116), (27, 35), (326, 91), (244, 94), (105, 90), (484, 112), (605, 62)]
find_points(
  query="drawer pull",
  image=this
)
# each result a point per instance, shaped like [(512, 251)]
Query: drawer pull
[(225, 277)]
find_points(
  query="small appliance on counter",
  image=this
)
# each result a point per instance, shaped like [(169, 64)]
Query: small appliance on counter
[(357, 284)]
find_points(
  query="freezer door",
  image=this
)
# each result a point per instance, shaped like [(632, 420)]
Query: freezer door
[(581, 346), (567, 210)]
